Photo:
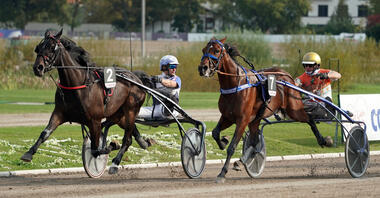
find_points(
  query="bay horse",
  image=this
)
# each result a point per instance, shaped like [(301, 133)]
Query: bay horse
[(80, 96), (243, 100)]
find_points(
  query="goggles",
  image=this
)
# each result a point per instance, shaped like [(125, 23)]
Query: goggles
[(172, 66), (308, 65)]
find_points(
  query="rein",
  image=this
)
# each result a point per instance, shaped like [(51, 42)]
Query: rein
[(256, 74)]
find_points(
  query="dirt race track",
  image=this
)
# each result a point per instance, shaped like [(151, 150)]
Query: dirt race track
[(295, 178), (291, 178)]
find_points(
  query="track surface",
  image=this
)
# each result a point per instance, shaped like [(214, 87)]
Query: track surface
[(296, 178), (31, 119)]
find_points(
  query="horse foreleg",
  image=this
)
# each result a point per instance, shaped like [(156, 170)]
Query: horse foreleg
[(222, 124), (230, 151), (56, 119), (321, 141)]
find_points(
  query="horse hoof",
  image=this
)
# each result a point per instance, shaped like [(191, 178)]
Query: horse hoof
[(151, 141), (220, 180), (237, 165), (113, 170), (223, 142), (329, 141), (114, 145), (27, 157), (141, 142)]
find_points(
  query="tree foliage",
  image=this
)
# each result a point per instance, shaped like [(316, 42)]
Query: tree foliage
[(268, 16), (186, 14), (340, 21), (273, 16), (19, 13)]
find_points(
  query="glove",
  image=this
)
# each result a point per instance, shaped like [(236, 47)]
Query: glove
[(156, 79), (323, 76)]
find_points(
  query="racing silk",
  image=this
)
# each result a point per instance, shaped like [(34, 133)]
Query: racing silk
[(174, 92), (315, 85)]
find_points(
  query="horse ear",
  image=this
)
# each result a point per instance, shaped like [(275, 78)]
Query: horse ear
[(59, 34), (223, 40), (47, 33)]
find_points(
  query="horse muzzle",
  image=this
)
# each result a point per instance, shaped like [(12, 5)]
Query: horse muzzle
[(39, 70), (205, 71)]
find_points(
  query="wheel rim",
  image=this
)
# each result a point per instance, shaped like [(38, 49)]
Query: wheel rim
[(255, 163), (357, 152), (94, 167), (193, 164)]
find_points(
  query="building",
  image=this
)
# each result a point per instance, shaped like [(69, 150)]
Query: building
[(322, 10)]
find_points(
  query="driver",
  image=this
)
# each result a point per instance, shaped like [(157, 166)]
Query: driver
[(317, 81), (169, 84)]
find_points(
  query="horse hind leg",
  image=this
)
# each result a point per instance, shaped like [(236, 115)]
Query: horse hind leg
[(222, 124), (327, 141), (55, 120)]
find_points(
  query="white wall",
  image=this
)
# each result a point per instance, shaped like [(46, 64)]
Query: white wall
[(313, 18)]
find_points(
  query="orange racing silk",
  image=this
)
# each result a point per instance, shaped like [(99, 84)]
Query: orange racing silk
[(315, 85)]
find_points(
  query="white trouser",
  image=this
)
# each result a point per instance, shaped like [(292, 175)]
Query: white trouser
[(156, 110)]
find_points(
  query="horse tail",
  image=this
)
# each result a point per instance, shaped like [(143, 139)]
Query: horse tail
[(145, 78)]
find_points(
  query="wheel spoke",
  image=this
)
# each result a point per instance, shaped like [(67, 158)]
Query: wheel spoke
[(354, 163), (350, 150)]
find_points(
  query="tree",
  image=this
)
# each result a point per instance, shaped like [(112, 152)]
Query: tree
[(158, 11), (76, 13), (186, 14), (18, 13), (373, 21), (268, 16), (375, 6), (341, 20)]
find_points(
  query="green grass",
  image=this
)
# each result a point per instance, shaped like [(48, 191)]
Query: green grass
[(63, 148), (361, 88), (188, 100)]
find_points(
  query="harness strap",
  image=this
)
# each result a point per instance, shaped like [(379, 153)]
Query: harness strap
[(247, 85), (239, 88), (71, 88)]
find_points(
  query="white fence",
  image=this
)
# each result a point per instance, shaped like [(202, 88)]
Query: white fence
[(281, 38)]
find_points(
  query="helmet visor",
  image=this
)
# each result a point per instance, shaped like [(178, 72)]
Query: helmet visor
[(308, 65), (172, 66)]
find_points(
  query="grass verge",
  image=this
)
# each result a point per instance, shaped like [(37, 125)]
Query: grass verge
[(63, 148)]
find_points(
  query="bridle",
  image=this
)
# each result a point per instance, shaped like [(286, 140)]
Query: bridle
[(49, 61), (215, 61)]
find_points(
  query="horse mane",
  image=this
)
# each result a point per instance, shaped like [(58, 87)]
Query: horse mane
[(77, 52), (232, 50)]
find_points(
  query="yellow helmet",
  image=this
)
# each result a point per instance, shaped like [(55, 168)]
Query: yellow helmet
[(311, 58)]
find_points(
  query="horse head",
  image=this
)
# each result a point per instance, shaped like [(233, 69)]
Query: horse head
[(212, 55), (47, 52)]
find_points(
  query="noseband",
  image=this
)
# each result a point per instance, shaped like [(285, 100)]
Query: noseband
[(212, 58)]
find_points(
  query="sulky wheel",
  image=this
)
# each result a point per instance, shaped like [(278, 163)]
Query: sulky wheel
[(255, 163), (193, 164), (94, 167), (357, 152)]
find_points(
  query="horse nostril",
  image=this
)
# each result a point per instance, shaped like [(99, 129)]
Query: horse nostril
[(40, 67)]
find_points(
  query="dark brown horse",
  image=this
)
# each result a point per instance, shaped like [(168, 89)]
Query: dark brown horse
[(242, 100), (81, 98)]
